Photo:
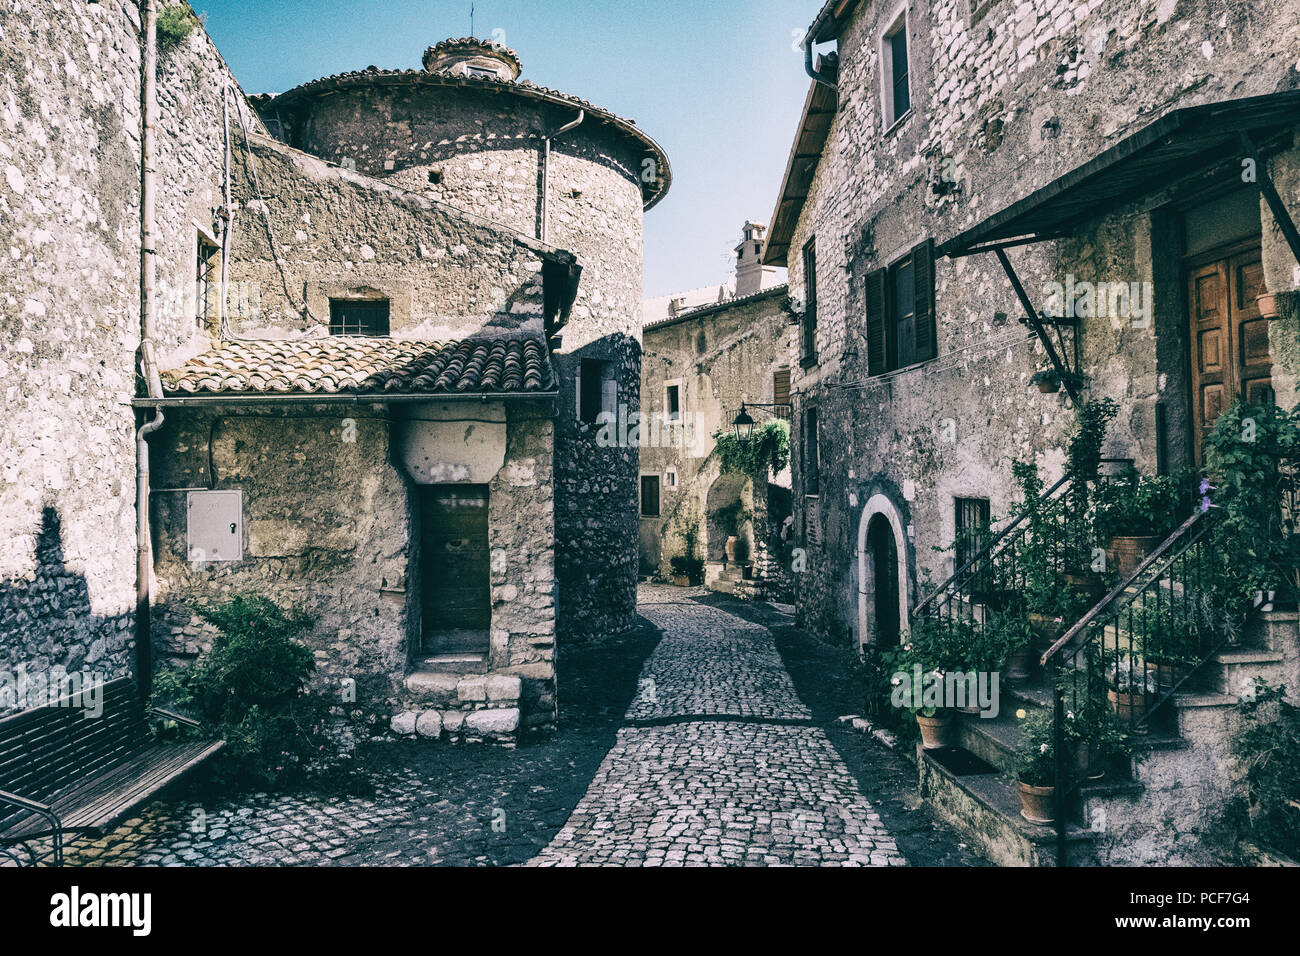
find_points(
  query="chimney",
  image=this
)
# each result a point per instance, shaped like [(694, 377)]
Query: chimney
[(749, 259)]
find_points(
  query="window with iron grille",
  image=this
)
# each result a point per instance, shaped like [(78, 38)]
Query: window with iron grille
[(972, 528), (206, 287), (649, 496), (358, 316), (808, 330)]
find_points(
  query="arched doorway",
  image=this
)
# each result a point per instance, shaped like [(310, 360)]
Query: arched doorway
[(882, 574), (728, 510), (883, 555)]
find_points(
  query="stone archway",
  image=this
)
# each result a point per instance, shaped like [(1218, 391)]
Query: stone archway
[(882, 571), (728, 492)]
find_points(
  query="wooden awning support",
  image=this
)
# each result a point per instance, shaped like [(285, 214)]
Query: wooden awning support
[(1281, 215)]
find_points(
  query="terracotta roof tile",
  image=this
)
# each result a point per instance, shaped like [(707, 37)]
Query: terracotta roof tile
[(362, 365)]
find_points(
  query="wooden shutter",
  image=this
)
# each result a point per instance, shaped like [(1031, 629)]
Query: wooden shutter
[(781, 387), (927, 338), (877, 361)]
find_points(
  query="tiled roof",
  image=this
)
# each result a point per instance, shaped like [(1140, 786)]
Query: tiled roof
[(361, 365)]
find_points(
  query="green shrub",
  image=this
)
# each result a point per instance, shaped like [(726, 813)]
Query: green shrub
[(768, 447), (1036, 757), (250, 690), (1266, 798), (175, 24)]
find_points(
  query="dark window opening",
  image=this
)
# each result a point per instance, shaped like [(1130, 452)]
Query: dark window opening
[(597, 390), (359, 317), (435, 176), (673, 401), (811, 454), (901, 99), (649, 496), (808, 332)]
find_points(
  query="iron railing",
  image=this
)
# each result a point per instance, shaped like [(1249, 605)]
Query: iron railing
[(1126, 658)]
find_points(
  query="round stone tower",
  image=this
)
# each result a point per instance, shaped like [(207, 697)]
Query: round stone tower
[(466, 131)]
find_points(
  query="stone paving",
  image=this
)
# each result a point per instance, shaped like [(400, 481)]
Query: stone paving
[(683, 787), (697, 752)]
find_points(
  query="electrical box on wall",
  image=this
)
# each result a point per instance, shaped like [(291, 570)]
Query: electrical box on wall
[(215, 525)]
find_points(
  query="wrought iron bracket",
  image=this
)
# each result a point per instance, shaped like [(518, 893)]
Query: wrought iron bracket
[(1040, 329)]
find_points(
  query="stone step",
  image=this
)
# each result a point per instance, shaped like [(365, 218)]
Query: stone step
[(454, 664), (1233, 668), (984, 805)]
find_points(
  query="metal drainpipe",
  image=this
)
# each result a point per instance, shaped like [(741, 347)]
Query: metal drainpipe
[(544, 231), (148, 368), (808, 66)]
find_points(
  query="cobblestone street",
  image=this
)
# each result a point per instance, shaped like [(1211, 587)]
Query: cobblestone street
[(686, 742), (720, 762)]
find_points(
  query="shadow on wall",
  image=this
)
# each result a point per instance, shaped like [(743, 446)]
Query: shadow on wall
[(47, 623)]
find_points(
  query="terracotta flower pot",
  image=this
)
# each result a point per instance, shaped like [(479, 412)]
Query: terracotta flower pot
[(936, 731), (730, 549), (1130, 708), (1049, 388), (682, 580), (1087, 762), (1125, 552), (1020, 663), (1037, 804), (1047, 628), (1087, 583), (1167, 675), (1267, 305)]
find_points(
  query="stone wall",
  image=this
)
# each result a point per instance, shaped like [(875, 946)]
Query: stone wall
[(69, 309), (330, 527), (983, 92), (484, 151), (337, 233), (718, 356)]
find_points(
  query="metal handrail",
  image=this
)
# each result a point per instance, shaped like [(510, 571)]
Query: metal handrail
[(1072, 635), (987, 551)]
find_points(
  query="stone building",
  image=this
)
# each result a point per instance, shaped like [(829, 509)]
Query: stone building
[(699, 366), (388, 332), (1087, 142)]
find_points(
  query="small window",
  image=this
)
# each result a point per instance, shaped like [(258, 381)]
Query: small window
[(481, 71), (972, 528), (808, 331), (894, 58), (359, 317), (673, 402), (206, 285), (597, 391), (649, 496), (901, 328), (811, 454), (670, 478)]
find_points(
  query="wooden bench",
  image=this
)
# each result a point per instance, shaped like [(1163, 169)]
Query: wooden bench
[(65, 772)]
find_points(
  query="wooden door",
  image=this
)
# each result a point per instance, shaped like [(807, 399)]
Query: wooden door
[(1229, 339), (455, 568)]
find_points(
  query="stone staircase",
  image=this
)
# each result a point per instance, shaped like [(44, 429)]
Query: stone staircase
[(453, 696), (1146, 810)]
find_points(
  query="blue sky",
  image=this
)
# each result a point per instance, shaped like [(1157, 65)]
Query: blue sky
[(717, 82)]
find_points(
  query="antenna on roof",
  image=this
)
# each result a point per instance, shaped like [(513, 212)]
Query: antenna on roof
[(471, 19)]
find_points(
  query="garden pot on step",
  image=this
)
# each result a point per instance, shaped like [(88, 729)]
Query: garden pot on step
[(1130, 708), (1037, 804), (936, 731), (1125, 553), (1020, 663)]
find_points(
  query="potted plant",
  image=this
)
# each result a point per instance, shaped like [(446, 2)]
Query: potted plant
[(1092, 728), (1132, 690), (1036, 769), (1168, 642), (1135, 513), (1048, 380), (687, 570), (1015, 638), (927, 654), (1267, 305)]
